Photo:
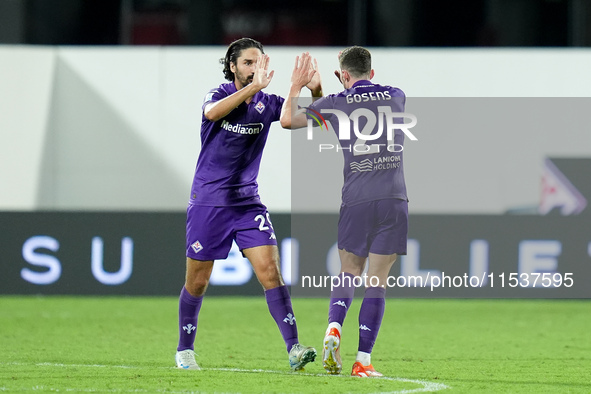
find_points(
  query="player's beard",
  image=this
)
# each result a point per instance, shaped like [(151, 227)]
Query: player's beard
[(243, 80)]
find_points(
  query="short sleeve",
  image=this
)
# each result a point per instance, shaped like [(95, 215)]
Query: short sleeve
[(212, 96), (277, 105), (326, 102)]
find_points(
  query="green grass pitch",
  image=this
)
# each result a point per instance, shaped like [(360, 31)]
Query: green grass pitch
[(127, 344)]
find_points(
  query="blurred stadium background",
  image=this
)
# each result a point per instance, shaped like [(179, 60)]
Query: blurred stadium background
[(99, 129)]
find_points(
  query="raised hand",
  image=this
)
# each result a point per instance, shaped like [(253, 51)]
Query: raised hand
[(262, 78), (315, 84), (303, 71)]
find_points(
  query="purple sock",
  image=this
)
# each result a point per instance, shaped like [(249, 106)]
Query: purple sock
[(370, 317), (340, 298), (189, 307), (279, 303)]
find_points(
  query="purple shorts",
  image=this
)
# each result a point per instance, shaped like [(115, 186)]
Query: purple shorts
[(211, 230), (379, 227)]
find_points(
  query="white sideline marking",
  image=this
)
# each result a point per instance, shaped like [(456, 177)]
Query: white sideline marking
[(427, 386)]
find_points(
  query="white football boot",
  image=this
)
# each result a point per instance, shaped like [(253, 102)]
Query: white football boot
[(300, 355), (185, 359)]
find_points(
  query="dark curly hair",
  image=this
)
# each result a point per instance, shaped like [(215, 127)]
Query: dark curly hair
[(234, 51)]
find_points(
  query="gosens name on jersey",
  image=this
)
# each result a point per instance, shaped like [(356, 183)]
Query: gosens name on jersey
[(374, 167)]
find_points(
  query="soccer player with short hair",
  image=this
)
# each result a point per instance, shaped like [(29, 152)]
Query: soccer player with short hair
[(224, 204), (373, 219)]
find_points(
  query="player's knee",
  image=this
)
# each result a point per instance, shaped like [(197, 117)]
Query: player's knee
[(197, 286), (354, 270), (269, 272)]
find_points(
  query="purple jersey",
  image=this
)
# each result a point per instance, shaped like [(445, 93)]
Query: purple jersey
[(373, 167), (231, 150)]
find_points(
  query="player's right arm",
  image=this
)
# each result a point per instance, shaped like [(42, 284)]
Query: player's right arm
[(301, 76), (219, 109)]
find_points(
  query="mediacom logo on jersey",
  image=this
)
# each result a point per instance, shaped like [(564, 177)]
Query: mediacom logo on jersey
[(249, 128)]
